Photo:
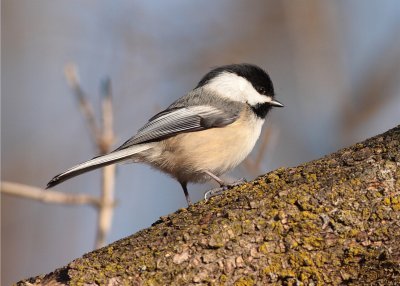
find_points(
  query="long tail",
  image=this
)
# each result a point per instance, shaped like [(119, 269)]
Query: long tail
[(97, 162)]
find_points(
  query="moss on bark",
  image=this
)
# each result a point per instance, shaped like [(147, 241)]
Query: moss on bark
[(330, 221)]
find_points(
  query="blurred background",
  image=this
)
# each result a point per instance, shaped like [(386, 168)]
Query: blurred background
[(335, 66)]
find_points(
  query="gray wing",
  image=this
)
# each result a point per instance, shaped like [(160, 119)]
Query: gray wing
[(181, 119)]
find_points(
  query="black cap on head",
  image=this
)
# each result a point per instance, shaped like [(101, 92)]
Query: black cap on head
[(254, 74)]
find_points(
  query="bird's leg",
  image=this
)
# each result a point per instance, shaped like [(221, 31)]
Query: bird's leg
[(185, 191), (223, 186), (217, 179)]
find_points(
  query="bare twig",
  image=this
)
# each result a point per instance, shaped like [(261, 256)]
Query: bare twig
[(104, 139), (107, 136), (106, 210), (71, 74), (108, 175), (47, 196)]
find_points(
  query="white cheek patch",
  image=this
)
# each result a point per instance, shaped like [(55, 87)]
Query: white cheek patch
[(228, 85), (237, 88)]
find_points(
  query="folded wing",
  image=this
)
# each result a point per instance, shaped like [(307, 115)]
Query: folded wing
[(178, 120)]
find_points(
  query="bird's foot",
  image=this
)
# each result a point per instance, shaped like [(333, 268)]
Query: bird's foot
[(218, 191), (239, 182)]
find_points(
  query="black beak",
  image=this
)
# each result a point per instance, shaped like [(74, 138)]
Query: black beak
[(275, 103)]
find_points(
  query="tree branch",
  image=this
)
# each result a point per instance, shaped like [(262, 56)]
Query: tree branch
[(47, 196), (108, 173), (104, 139), (71, 75), (331, 221)]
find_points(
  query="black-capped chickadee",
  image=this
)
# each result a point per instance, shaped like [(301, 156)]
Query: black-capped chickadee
[(203, 134)]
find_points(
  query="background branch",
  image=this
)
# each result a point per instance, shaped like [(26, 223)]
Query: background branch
[(108, 173), (47, 196), (104, 139), (72, 77)]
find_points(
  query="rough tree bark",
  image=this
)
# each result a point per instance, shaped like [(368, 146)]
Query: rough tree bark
[(330, 221)]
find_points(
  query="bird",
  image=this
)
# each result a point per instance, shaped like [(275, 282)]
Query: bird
[(203, 134)]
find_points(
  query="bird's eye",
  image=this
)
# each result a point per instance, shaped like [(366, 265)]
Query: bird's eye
[(261, 90)]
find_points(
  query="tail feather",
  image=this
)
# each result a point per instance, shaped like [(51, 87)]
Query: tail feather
[(97, 162)]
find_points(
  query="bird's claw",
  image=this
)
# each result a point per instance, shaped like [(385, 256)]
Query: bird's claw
[(214, 192), (238, 182), (218, 191)]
